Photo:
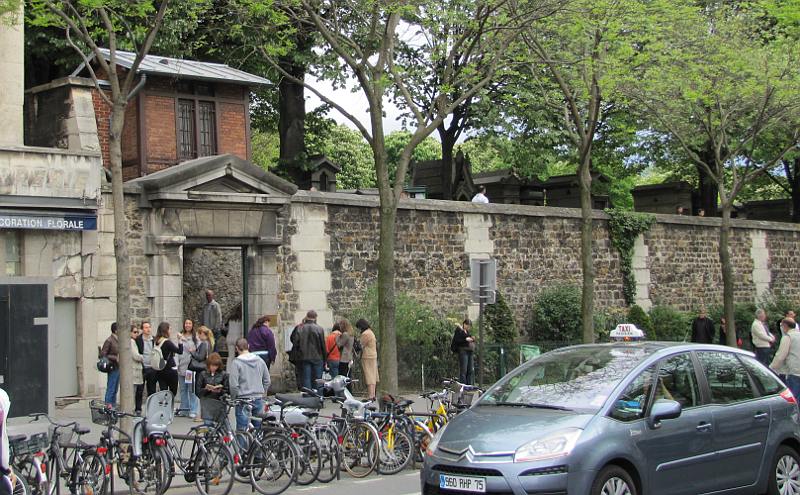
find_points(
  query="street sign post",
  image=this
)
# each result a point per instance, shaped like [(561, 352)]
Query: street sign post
[(483, 282)]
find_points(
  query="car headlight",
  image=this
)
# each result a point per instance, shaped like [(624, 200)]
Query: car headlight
[(432, 446), (555, 445)]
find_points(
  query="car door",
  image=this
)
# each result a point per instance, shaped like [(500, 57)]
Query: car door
[(680, 452), (741, 419), (677, 452)]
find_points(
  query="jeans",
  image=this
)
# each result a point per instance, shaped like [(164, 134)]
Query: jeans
[(112, 385), (243, 415), (312, 371), (189, 401), (763, 354), (466, 370), (333, 368), (793, 382), (138, 393)]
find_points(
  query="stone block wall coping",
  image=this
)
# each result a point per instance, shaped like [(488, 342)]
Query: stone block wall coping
[(343, 199), (62, 81), (50, 151)]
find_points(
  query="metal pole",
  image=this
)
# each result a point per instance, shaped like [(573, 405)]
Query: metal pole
[(423, 378), (482, 299)]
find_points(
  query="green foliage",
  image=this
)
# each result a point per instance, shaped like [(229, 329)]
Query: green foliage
[(638, 317), (499, 320), (670, 324), (556, 314), (625, 227), (423, 337), (266, 148), (607, 320), (347, 148), (744, 314)]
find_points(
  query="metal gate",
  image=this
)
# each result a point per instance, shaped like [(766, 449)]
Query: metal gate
[(23, 347)]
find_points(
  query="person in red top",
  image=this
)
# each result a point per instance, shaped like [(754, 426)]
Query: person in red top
[(332, 351)]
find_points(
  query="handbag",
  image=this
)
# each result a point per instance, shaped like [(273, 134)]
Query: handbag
[(105, 365)]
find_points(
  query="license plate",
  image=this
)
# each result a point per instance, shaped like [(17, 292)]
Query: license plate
[(462, 483)]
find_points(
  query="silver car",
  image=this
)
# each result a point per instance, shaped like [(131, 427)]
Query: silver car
[(624, 419)]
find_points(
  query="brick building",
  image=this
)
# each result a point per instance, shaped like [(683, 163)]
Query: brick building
[(185, 109)]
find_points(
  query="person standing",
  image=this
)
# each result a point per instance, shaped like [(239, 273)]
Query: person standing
[(310, 339), (761, 336), (110, 351), (212, 314), (345, 342), (167, 377), (137, 377), (723, 334), (190, 404), (332, 353), (146, 343), (369, 357), (787, 358), (7, 480), (703, 329), (463, 344), (248, 378), (211, 385), (262, 341), (481, 196)]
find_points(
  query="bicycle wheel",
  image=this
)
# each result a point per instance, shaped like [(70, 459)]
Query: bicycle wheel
[(309, 462), (360, 450), (91, 478), (21, 486), (272, 462), (329, 454), (148, 474), (213, 469), (28, 470), (239, 448), (397, 450)]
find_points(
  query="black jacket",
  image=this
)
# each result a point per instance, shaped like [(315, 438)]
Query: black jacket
[(703, 331), (460, 340), (210, 405), (310, 340)]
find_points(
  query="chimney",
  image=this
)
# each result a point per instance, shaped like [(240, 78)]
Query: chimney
[(12, 77)]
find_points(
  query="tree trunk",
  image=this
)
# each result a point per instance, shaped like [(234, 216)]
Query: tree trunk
[(587, 262), (386, 299), (707, 188), (292, 122), (795, 186), (121, 255), (448, 138), (727, 274)]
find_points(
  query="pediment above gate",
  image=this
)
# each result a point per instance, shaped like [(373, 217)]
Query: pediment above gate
[(213, 179)]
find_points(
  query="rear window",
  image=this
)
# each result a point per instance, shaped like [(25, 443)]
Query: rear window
[(728, 380), (769, 383)]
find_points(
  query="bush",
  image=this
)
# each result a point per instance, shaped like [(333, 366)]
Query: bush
[(423, 337), (670, 324), (500, 325), (607, 320), (744, 313), (638, 317), (556, 314)]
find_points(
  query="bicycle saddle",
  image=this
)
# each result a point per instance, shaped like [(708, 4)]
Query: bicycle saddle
[(310, 414), (299, 400), (403, 403), (82, 430)]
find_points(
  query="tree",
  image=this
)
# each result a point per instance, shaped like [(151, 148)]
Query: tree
[(723, 80), (363, 36), (89, 25), (572, 58)]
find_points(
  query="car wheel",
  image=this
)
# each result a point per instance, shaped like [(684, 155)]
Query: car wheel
[(613, 480), (785, 476)]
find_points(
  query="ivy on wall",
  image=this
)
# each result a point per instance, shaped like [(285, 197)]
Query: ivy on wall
[(625, 227)]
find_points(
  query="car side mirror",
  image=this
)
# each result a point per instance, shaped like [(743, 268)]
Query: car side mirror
[(663, 409)]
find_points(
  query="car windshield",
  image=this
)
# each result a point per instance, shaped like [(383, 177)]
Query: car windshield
[(577, 379)]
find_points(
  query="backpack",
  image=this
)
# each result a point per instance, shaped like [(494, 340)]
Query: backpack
[(157, 361)]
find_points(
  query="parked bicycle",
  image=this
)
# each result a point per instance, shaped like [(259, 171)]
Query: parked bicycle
[(27, 458)]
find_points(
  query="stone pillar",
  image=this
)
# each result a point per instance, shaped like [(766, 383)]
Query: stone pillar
[(760, 256), (478, 245), (12, 77), (165, 281), (641, 273), (311, 281)]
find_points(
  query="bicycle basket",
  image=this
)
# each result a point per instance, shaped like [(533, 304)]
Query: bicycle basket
[(100, 413), (64, 434), (38, 442), (19, 447)]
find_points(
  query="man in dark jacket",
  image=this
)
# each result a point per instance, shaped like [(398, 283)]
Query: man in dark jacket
[(703, 329), (110, 351), (309, 339), (464, 345)]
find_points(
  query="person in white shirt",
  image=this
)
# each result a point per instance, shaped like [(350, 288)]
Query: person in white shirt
[(761, 336), (787, 358), (481, 196)]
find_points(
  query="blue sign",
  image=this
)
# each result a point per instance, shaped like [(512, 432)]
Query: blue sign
[(48, 222)]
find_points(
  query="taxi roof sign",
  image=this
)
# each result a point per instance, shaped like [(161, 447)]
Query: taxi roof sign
[(626, 331)]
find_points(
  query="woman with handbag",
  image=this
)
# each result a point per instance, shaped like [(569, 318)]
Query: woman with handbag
[(138, 369), (110, 352), (164, 350), (190, 404)]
